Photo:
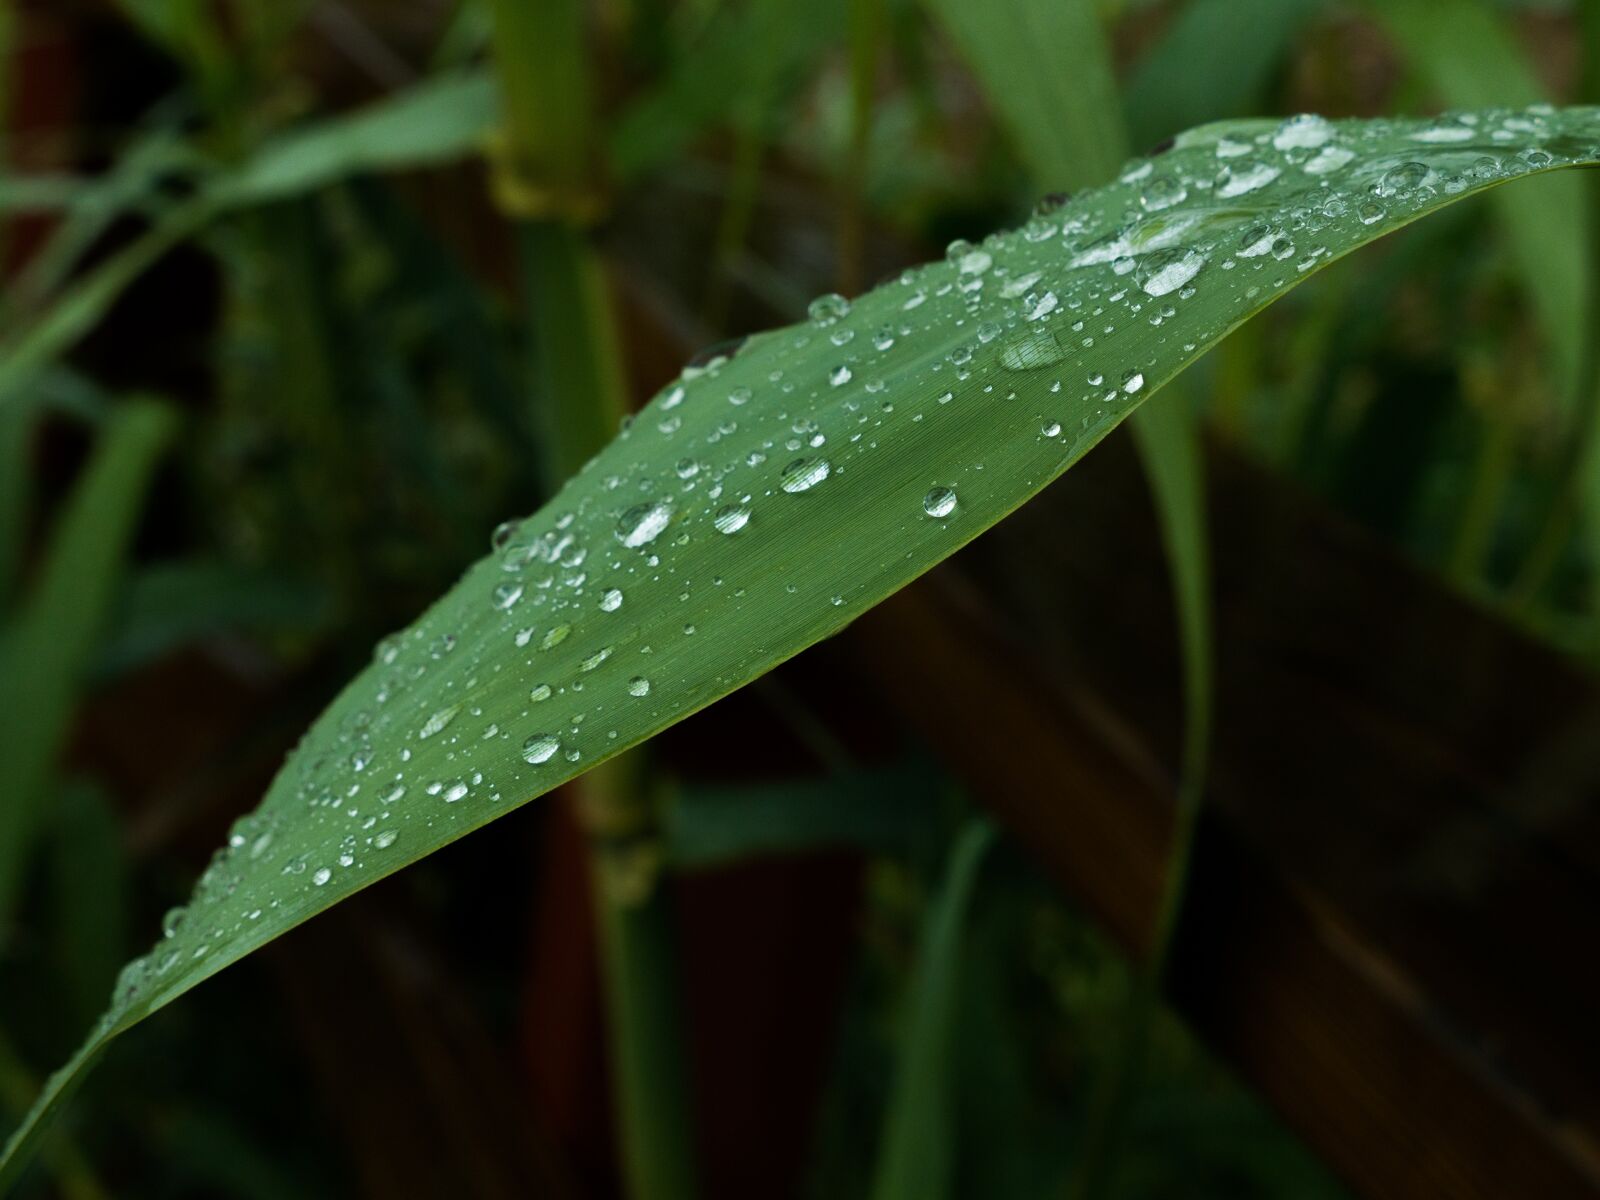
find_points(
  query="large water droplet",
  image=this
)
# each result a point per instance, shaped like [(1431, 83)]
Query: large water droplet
[(1171, 270), (438, 721), (939, 502), (611, 600), (1033, 350), (643, 523), (828, 308), (1399, 180), (804, 474), (540, 748), (638, 686), (731, 518)]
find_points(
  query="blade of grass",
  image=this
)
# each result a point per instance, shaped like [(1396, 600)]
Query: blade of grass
[(547, 176), (759, 551), (1042, 39), (915, 1159), (1212, 63), (49, 644)]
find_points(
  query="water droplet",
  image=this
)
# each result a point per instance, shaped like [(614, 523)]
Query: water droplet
[(1406, 177), (1033, 350), (555, 636), (828, 308), (839, 376), (1370, 212), (384, 839), (1051, 429), (595, 659), (1306, 131), (1163, 192), (804, 474), (540, 748), (643, 523), (539, 692), (507, 594), (731, 518), (321, 876), (1328, 160), (1132, 382), (456, 791), (438, 721), (612, 600), (638, 686), (939, 502), (1244, 177), (1171, 269)]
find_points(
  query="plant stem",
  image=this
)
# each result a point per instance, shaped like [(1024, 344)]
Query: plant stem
[(547, 178)]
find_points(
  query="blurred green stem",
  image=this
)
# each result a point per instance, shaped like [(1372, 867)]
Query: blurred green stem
[(866, 42), (546, 177)]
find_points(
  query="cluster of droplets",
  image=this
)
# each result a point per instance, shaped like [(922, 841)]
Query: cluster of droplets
[(789, 475)]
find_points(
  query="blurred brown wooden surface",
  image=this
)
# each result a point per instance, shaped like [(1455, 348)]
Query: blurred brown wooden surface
[(1393, 927)]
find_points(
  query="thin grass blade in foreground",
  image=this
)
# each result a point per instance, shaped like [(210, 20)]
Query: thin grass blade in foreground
[(765, 500)]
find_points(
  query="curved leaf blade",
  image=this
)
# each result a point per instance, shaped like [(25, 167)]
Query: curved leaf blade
[(764, 501)]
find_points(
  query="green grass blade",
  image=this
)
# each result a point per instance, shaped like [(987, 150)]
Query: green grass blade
[(435, 122), (1066, 118), (1213, 63), (764, 501), (915, 1160), (49, 644), (1467, 55)]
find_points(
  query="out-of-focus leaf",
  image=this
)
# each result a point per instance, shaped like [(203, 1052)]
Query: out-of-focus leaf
[(169, 605), (1212, 63), (1466, 54), (916, 1158), (698, 550), (90, 893), (435, 122), (47, 646), (877, 809), (710, 82)]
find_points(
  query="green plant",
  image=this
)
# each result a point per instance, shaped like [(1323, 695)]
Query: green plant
[(778, 490)]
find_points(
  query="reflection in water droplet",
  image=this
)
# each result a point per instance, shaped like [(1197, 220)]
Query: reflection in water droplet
[(1172, 269), (540, 748), (804, 473), (731, 518), (1033, 350), (828, 308), (643, 523), (939, 502), (438, 721)]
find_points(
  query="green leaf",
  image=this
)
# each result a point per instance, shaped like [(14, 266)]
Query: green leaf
[(433, 123), (878, 809), (46, 649), (764, 501), (1187, 76), (915, 1161), (1468, 56)]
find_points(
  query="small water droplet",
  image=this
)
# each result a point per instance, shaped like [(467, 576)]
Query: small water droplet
[(638, 686), (321, 876), (611, 600), (839, 376), (438, 721), (1399, 180), (1132, 382), (384, 839), (1035, 349)]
